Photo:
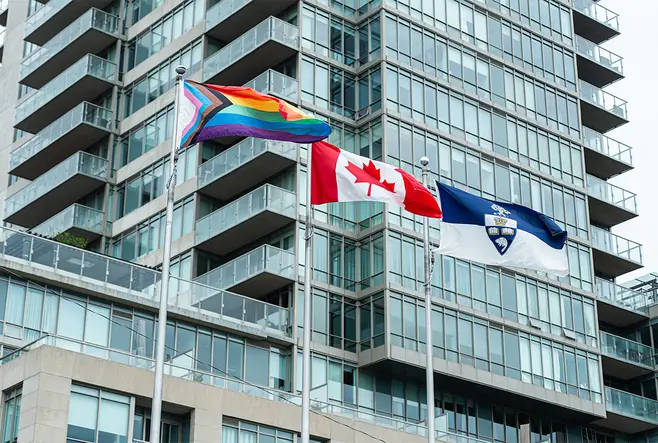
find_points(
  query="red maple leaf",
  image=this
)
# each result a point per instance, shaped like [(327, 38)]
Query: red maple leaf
[(369, 174)]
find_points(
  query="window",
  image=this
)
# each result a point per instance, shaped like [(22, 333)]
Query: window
[(238, 431), (11, 415), (97, 416)]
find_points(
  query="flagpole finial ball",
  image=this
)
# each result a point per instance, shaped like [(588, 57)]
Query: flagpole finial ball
[(180, 69), (424, 161)]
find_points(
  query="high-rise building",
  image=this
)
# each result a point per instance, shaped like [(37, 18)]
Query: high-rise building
[(506, 98)]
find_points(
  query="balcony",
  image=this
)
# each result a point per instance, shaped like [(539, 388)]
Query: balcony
[(243, 166), (78, 220), (601, 110), (254, 274), (4, 12), (21, 251), (274, 83), (264, 46), (594, 22), (252, 216), (623, 358), (55, 190), (614, 255), (88, 78), (618, 305), (609, 205), (604, 156), (2, 44), (629, 413), (596, 65), (89, 34), (49, 20), (228, 19), (76, 130)]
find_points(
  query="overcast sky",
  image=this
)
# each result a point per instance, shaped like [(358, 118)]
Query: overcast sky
[(637, 45)]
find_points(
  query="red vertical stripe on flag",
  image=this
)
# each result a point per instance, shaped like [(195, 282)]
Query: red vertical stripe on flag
[(324, 188), (418, 199)]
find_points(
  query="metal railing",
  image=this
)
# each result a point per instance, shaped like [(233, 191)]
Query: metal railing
[(87, 65), (599, 13), (128, 278), (78, 163), (603, 99), (615, 244), (631, 405), (238, 155), (274, 83), (599, 55), (271, 28), (75, 216), (85, 112), (624, 349), (612, 194), (621, 296), (266, 198), (94, 18), (608, 146)]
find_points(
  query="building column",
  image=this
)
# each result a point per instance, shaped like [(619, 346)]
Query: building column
[(44, 409)]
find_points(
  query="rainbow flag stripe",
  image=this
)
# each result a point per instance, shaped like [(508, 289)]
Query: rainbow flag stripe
[(211, 111)]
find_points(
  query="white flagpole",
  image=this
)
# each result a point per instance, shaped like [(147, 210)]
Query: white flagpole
[(306, 352), (429, 353), (156, 406)]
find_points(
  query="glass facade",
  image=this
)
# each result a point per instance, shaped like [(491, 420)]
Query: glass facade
[(11, 414)]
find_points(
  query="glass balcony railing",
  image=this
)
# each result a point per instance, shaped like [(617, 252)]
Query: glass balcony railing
[(4, 5), (2, 38), (85, 112), (621, 296), (124, 277), (222, 10), (93, 18), (265, 258), (599, 13), (270, 29), (612, 194), (238, 155), (603, 99), (624, 349), (274, 83), (616, 245), (88, 65), (631, 405), (75, 216), (607, 146), (78, 163), (599, 55), (42, 14), (266, 198)]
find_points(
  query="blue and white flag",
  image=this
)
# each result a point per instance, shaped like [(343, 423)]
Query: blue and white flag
[(501, 234)]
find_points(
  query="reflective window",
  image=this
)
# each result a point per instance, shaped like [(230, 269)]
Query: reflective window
[(238, 431), (11, 414), (97, 416), (144, 137), (333, 320)]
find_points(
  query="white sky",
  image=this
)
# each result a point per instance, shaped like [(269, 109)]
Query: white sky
[(637, 45)]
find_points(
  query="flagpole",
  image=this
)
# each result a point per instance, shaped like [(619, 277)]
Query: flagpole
[(429, 352), (156, 406), (306, 352)]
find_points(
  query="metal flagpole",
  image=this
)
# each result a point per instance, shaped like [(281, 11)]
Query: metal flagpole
[(156, 407), (429, 371), (306, 352)]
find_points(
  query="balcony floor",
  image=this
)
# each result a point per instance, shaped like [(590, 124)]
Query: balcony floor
[(606, 214), (3, 17), (591, 29), (622, 369), (603, 166), (609, 265), (260, 284), (595, 73), (86, 88), (62, 18), (57, 199), (92, 41), (78, 138), (599, 119), (618, 316), (625, 424), (246, 18)]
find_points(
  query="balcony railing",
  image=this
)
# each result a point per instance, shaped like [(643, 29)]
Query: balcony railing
[(94, 18), (274, 83), (41, 15), (222, 10), (599, 13), (2, 37), (79, 163), (88, 65), (242, 153), (266, 198), (4, 5), (83, 113), (631, 405), (612, 194), (603, 99), (599, 55), (606, 145), (75, 216), (624, 349), (125, 277), (616, 245), (621, 296), (265, 258), (270, 29)]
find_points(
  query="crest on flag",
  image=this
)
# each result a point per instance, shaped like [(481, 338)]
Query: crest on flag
[(501, 229)]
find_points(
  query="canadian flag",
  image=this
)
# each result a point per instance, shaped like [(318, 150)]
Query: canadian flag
[(340, 176)]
